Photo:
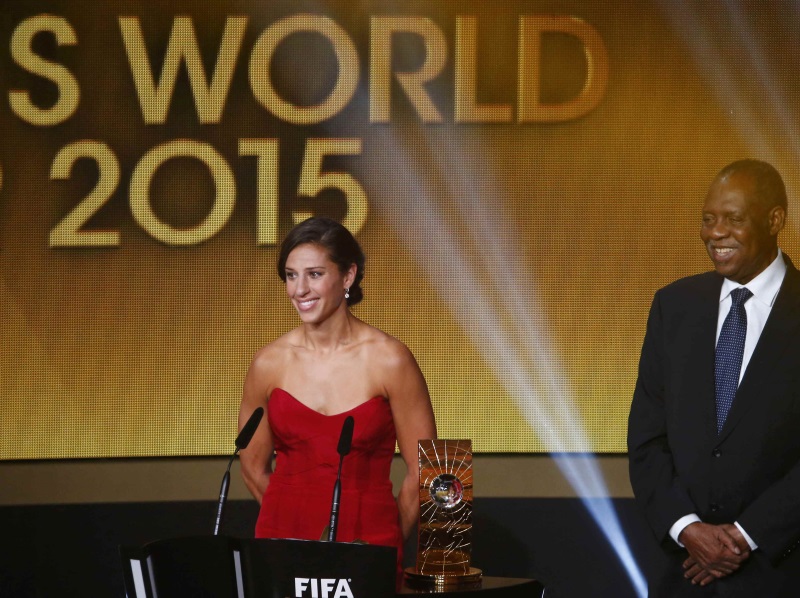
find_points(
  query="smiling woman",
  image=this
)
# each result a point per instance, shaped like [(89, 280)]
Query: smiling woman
[(310, 381), (324, 251)]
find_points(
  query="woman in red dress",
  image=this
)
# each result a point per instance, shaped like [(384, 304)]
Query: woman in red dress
[(309, 381)]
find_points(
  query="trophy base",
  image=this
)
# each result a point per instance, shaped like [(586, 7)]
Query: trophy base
[(423, 581)]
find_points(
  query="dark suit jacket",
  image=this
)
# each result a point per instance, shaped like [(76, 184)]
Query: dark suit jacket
[(750, 472)]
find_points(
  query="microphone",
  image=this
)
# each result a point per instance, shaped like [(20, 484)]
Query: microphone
[(242, 440), (246, 435), (345, 440)]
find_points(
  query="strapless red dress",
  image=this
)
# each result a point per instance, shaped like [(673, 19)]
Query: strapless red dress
[(297, 503)]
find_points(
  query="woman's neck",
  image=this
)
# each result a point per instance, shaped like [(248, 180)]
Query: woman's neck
[(337, 331)]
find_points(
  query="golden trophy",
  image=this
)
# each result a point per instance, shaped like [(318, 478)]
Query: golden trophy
[(444, 547)]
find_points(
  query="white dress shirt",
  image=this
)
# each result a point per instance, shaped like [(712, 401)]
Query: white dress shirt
[(765, 289)]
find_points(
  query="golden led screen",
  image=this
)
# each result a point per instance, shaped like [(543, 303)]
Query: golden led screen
[(522, 176)]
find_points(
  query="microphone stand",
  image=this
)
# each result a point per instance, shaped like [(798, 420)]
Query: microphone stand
[(242, 440), (345, 439), (337, 490), (223, 492)]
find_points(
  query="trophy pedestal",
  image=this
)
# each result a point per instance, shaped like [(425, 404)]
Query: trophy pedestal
[(422, 581)]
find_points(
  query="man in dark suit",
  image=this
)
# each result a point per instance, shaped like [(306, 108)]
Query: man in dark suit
[(714, 427)]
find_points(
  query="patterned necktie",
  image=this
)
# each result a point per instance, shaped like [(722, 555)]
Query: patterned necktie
[(728, 356)]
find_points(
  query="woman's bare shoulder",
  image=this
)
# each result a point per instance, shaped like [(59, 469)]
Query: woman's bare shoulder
[(268, 367), (276, 353), (396, 371), (387, 349)]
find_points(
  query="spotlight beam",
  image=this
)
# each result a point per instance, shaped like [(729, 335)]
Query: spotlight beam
[(497, 310)]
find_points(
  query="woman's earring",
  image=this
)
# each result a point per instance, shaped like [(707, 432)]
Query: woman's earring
[(347, 293)]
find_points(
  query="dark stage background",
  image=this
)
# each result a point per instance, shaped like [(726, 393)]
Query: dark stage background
[(71, 550)]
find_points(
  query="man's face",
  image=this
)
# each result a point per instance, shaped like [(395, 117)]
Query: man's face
[(739, 233)]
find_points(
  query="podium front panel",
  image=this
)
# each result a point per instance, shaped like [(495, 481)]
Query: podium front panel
[(199, 566), (309, 569)]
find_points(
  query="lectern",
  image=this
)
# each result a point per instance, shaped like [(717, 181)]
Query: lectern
[(222, 567)]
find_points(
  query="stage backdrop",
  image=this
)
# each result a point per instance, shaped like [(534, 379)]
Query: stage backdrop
[(522, 175)]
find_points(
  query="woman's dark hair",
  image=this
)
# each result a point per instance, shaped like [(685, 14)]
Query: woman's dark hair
[(343, 250)]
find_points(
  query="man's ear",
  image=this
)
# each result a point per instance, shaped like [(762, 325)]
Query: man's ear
[(777, 220)]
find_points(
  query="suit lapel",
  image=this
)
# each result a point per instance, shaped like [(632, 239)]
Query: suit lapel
[(700, 357), (780, 329)]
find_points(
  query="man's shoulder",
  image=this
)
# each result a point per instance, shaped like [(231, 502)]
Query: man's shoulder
[(696, 285)]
